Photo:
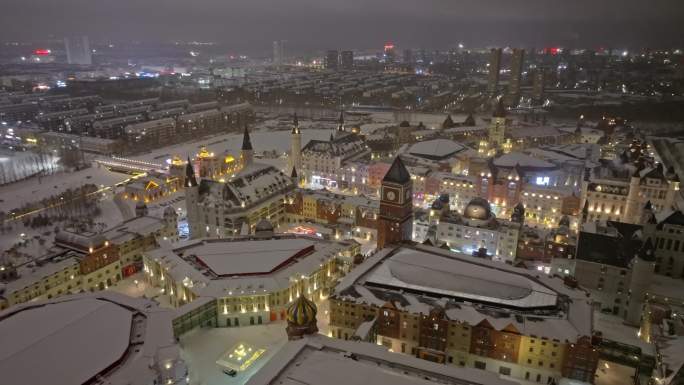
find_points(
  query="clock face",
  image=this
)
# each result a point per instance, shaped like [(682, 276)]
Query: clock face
[(390, 195)]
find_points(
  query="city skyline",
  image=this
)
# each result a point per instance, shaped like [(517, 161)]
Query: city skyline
[(433, 24)]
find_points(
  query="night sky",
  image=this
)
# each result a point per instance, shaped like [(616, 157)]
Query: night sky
[(320, 24)]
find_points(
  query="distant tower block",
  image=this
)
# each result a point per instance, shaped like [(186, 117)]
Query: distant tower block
[(494, 70), (395, 222), (513, 94)]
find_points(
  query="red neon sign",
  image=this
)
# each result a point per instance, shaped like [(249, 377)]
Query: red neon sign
[(42, 52)]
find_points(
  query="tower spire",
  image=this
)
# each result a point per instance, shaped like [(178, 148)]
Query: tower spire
[(247, 150), (340, 121), (190, 180), (295, 124), (246, 140), (500, 110)]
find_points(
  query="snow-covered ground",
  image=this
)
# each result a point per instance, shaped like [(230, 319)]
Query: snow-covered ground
[(613, 374), (200, 348), (135, 286), (34, 189)]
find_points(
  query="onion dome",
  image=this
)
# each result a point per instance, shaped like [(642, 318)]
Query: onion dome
[(302, 312), (478, 208)]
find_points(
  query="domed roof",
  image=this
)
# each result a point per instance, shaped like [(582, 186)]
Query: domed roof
[(264, 225), (302, 312), (478, 208)]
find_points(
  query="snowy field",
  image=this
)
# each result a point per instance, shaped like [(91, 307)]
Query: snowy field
[(34, 189), (15, 166)]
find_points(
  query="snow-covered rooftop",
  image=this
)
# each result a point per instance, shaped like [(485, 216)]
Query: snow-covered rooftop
[(417, 279), (436, 149), (523, 160), (459, 278), (32, 351), (181, 264), (322, 360), (76, 339), (258, 257)]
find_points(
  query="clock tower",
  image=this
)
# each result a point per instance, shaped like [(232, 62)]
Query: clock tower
[(395, 223)]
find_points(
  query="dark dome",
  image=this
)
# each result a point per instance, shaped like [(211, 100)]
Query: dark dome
[(264, 225), (478, 208)]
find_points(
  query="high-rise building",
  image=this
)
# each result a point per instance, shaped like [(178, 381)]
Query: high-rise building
[(513, 93), (390, 54), (494, 70), (347, 60), (278, 52), (78, 50), (538, 85), (332, 59), (408, 56), (395, 222)]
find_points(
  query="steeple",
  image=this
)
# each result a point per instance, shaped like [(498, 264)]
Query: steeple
[(295, 159), (340, 122), (397, 173), (294, 173), (190, 180), (246, 141), (295, 125), (395, 218), (247, 152), (500, 110)]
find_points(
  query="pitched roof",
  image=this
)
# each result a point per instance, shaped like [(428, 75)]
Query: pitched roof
[(676, 218), (397, 173)]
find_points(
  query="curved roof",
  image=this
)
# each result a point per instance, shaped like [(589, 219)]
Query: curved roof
[(38, 342), (478, 208), (264, 225), (454, 277)]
